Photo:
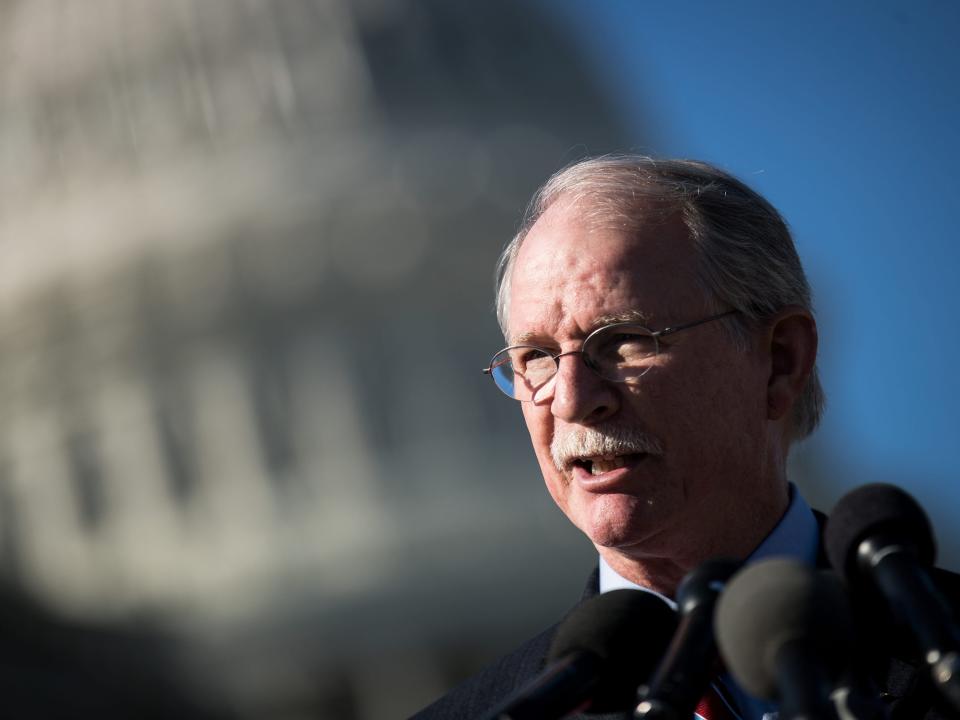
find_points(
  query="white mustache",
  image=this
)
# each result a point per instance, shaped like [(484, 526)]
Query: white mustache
[(591, 442)]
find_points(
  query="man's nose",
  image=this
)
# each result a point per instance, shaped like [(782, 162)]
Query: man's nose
[(579, 394)]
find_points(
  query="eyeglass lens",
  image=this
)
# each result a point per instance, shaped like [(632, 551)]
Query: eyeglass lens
[(618, 352)]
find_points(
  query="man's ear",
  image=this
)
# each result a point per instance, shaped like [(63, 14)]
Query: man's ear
[(792, 343)]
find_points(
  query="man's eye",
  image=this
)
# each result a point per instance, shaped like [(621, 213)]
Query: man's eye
[(537, 357), (524, 359), (626, 347)]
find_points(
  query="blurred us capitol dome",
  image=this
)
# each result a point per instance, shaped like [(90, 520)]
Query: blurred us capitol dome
[(245, 292)]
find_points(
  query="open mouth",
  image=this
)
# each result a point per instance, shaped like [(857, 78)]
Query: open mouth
[(606, 463)]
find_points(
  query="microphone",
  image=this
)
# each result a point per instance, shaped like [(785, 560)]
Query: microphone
[(783, 629), (684, 674), (879, 538), (605, 648)]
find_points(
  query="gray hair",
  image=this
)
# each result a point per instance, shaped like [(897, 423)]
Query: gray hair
[(747, 257)]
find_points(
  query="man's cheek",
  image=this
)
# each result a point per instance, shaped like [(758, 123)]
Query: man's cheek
[(539, 427), (555, 487)]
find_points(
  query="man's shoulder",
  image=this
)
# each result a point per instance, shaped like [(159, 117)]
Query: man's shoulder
[(482, 692), (948, 582)]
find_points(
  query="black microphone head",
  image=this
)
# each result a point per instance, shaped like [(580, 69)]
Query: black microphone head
[(705, 582), (628, 631), (774, 602), (876, 509)]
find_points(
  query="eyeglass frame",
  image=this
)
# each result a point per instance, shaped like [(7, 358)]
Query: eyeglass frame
[(655, 334)]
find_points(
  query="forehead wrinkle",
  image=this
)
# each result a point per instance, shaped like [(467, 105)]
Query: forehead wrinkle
[(570, 274), (575, 275), (584, 277), (525, 337)]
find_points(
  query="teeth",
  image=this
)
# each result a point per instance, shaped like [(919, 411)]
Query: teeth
[(607, 463)]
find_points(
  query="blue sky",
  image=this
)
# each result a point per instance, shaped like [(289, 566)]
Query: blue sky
[(845, 115)]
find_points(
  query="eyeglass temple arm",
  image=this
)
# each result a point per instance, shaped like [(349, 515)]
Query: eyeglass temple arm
[(489, 370), (678, 328)]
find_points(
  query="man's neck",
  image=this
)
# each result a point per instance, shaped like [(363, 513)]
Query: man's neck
[(793, 532), (658, 575)]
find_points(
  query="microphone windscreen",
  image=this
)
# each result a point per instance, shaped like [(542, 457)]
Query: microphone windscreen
[(705, 583), (628, 630), (773, 602), (876, 509)]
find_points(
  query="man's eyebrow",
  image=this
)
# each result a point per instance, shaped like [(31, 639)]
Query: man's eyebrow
[(630, 316), (523, 338)]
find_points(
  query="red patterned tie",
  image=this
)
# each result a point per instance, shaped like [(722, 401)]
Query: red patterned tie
[(713, 707)]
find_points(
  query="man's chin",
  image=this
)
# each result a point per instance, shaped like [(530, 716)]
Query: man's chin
[(614, 538), (616, 524)]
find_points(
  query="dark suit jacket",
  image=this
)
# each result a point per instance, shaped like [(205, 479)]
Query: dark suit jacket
[(890, 663)]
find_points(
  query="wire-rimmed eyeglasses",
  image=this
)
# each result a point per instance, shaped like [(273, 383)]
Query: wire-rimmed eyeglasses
[(620, 352)]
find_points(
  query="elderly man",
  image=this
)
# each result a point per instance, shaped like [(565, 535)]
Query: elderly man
[(662, 345)]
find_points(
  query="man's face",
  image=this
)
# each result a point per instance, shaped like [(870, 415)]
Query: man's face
[(697, 451)]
